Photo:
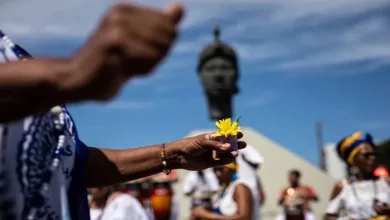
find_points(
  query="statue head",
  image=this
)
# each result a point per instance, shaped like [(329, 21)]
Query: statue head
[(218, 68), (218, 72)]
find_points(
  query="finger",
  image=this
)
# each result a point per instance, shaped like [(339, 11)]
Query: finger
[(211, 136), (155, 29), (225, 159), (241, 144), (146, 22), (215, 155), (175, 12), (146, 58), (220, 154), (148, 37), (234, 153), (214, 145)]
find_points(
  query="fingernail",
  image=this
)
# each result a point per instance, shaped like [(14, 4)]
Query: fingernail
[(225, 146)]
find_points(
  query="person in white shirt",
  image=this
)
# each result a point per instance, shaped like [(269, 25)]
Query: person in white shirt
[(363, 194), (201, 185), (122, 206), (249, 160), (235, 200), (97, 201)]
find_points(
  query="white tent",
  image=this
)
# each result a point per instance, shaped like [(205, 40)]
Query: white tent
[(278, 161)]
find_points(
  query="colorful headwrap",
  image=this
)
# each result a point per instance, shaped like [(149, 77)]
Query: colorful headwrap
[(349, 147), (233, 166)]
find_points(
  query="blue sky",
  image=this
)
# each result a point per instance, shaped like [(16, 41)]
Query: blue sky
[(301, 61)]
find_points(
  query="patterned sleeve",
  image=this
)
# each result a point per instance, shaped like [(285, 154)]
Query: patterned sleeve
[(82, 151), (78, 189)]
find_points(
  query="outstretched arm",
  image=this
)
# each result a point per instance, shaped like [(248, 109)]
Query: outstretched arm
[(105, 167), (33, 86), (128, 34)]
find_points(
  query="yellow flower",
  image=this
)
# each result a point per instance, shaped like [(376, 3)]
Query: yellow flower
[(226, 128)]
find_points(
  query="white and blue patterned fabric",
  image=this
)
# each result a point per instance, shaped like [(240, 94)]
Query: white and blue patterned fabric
[(26, 150)]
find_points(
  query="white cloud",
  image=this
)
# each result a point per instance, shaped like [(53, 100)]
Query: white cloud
[(262, 99), (284, 35), (129, 105), (301, 34), (373, 125)]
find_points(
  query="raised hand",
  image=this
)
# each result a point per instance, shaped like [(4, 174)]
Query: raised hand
[(199, 152), (130, 41)]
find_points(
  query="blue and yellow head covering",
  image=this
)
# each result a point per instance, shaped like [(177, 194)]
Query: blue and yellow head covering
[(233, 166), (349, 147)]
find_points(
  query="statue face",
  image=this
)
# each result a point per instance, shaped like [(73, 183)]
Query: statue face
[(218, 77)]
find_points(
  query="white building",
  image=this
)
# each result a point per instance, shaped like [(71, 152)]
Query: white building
[(335, 167), (278, 161)]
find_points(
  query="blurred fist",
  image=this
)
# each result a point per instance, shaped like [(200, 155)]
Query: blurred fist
[(130, 41)]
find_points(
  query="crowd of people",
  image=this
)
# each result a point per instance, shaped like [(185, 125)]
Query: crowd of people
[(45, 169), (234, 191)]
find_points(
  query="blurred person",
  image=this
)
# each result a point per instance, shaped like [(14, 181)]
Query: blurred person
[(97, 201), (44, 166), (295, 199), (235, 201), (249, 160), (122, 206), (164, 183), (135, 189), (200, 185), (362, 195), (381, 171)]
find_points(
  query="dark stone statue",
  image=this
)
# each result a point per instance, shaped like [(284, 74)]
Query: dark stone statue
[(218, 71)]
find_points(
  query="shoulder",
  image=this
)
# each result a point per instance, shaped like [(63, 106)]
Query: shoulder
[(250, 151), (242, 190), (387, 179), (242, 187), (125, 199), (338, 188), (307, 187)]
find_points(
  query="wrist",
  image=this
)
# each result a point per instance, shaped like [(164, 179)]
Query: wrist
[(64, 76), (173, 156)]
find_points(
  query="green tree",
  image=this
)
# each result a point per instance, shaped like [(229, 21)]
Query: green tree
[(383, 151)]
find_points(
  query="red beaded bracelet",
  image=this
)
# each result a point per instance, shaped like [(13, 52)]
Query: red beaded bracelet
[(164, 162)]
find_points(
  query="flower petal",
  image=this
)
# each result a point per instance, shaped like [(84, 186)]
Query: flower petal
[(234, 125), (219, 124)]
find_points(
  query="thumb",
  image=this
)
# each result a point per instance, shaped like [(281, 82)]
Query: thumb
[(175, 12)]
